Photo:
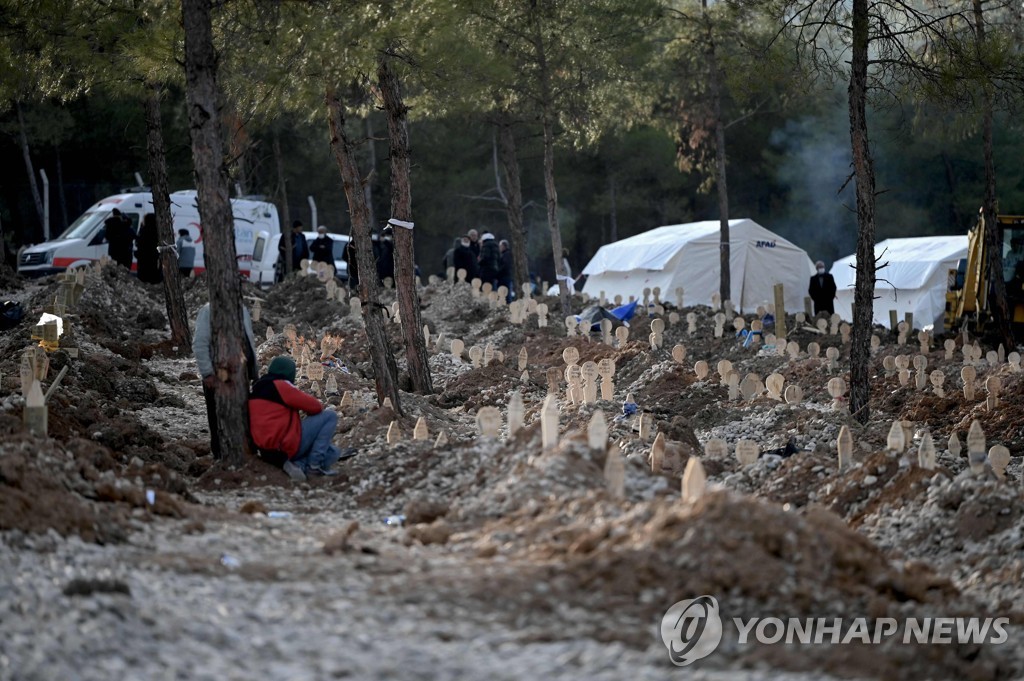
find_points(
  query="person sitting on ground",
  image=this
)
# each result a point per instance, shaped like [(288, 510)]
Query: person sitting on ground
[(321, 249), (277, 429)]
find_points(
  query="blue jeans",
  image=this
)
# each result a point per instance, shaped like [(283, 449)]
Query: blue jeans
[(315, 449)]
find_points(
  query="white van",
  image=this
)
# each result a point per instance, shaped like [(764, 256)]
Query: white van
[(85, 240), (265, 255)]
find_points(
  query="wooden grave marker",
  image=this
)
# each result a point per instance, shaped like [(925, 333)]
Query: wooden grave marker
[(926, 452), (976, 456), (844, 448), (694, 481), (747, 452), (488, 421)]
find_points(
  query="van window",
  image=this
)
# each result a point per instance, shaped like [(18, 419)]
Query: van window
[(83, 227), (339, 249), (257, 251)]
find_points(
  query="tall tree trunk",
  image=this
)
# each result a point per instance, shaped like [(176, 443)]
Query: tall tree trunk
[(3, 248), (552, 205), (513, 202), (401, 209), (552, 210), (721, 186), (60, 188), (955, 217), (613, 208), (231, 389), (29, 168), (173, 297), (384, 369), (371, 144), (864, 171), (547, 124), (997, 302), (286, 217)]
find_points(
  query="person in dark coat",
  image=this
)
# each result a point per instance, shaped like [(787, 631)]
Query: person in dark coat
[(449, 257), (300, 248), (822, 290), (120, 238), (353, 265), (386, 254), (505, 270), (186, 252), (146, 253), (463, 258), (322, 248), (474, 242), (490, 260)]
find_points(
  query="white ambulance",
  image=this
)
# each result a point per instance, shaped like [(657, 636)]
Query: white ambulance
[(85, 240), (266, 257)]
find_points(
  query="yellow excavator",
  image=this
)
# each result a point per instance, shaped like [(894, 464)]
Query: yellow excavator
[(970, 284)]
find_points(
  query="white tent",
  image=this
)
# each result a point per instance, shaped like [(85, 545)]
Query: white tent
[(687, 256), (914, 280)]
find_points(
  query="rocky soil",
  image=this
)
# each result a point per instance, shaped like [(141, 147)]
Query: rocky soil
[(131, 554)]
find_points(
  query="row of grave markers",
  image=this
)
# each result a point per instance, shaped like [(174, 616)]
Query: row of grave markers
[(581, 380)]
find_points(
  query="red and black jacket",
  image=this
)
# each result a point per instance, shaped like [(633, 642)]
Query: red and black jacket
[(274, 421)]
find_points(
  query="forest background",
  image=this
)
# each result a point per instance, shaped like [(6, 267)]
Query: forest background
[(789, 162)]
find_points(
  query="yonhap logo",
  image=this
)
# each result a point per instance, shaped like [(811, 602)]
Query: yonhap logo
[(691, 629)]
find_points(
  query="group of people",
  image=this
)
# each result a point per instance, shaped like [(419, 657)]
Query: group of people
[(483, 257), (300, 446), (121, 237), (321, 249)]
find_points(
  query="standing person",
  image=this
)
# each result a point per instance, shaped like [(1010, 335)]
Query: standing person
[(505, 270), (202, 348), (449, 257), (386, 255), (822, 290), (299, 248), (322, 248), (490, 260), (120, 238), (353, 265), (186, 252), (463, 259), (146, 252), (474, 242)]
